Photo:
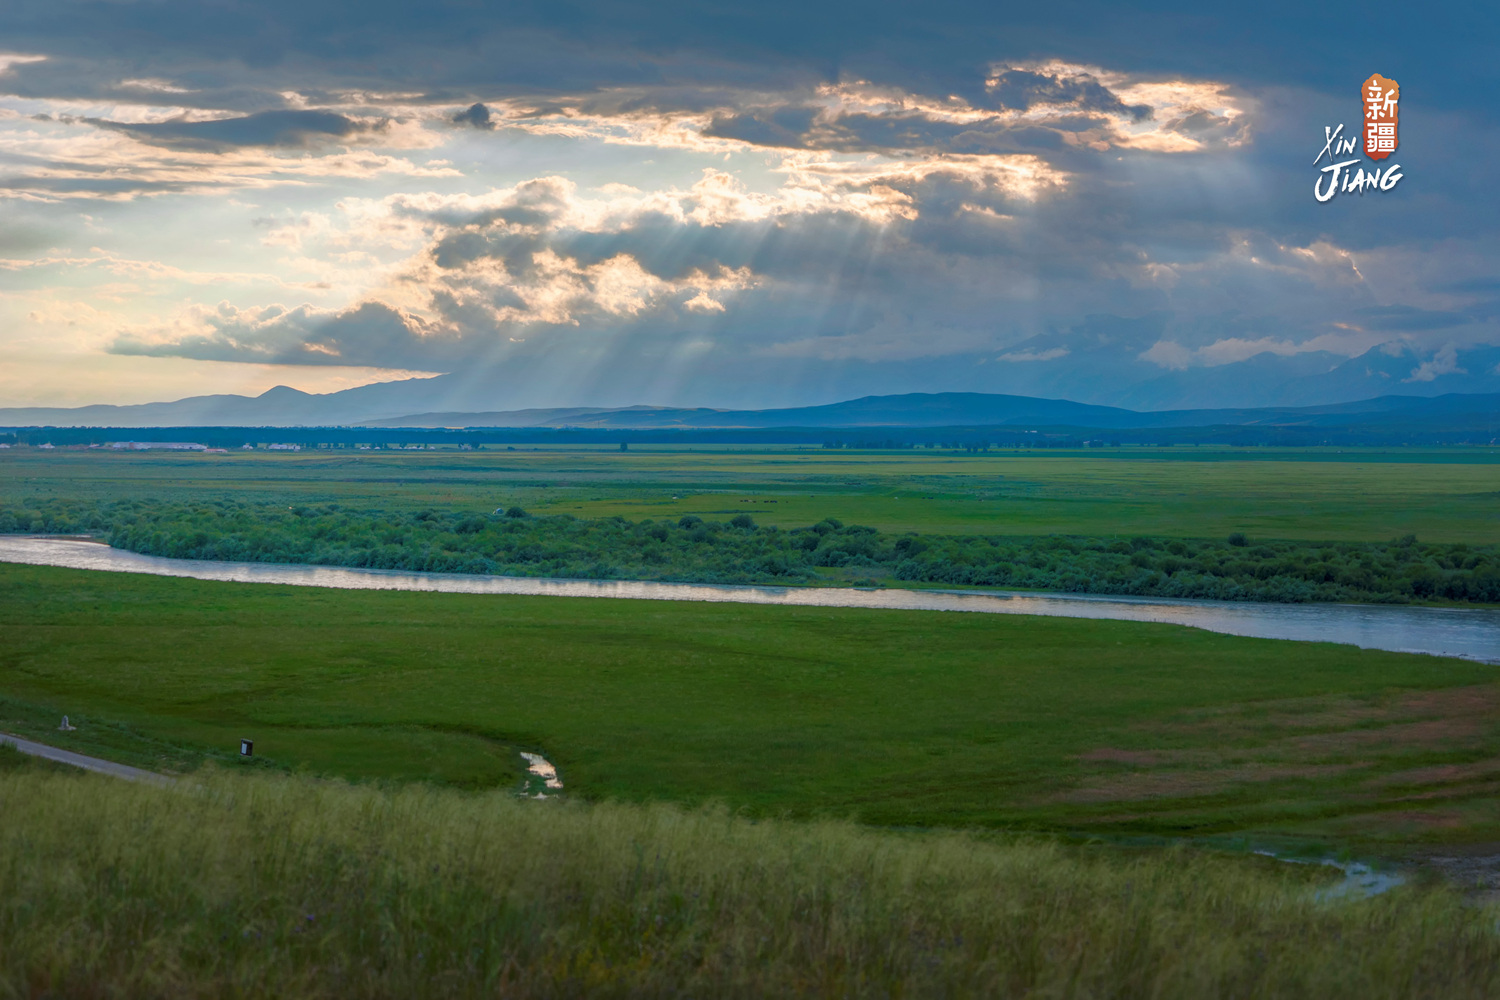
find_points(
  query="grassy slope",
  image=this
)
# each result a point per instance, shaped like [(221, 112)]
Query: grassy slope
[(286, 887), (1443, 495), (891, 717)]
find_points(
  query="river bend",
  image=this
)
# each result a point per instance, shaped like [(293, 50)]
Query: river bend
[(1472, 633)]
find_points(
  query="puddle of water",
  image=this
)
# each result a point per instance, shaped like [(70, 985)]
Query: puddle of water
[(1472, 633), (542, 768), (1360, 880)]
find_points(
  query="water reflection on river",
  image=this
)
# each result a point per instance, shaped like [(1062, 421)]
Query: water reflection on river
[(1473, 633)]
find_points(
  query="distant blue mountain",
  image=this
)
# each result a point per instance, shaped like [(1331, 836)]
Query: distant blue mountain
[(974, 409), (1304, 390)]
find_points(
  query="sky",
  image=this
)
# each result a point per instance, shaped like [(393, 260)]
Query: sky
[(737, 205)]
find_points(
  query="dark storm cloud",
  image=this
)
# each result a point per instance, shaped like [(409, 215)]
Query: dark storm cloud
[(1020, 90), (476, 115), (792, 128), (283, 129), (787, 127), (450, 49), (1075, 103), (371, 333)]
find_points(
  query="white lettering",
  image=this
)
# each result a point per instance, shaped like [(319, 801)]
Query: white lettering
[(1329, 134), (1336, 176), (1333, 171)]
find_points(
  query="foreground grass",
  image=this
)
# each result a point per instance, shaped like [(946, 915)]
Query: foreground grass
[(890, 717), (266, 887)]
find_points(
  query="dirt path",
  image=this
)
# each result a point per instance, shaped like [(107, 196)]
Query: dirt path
[(87, 763)]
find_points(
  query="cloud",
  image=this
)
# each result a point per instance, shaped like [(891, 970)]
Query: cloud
[(301, 335), (703, 302), (1444, 362), (1051, 354), (281, 129), (468, 51), (75, 158), (1106, 192), (536, 259), (1231, 350), (1050, 109), (1168, 354), (1406, 318), (476, 115), (848, 260)]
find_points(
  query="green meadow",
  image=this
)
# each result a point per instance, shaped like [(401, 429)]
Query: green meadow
[(1442, 495), (910, 719)]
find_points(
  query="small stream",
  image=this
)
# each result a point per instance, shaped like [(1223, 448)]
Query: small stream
[(1360, 880), (1471, 633), (541, 773)]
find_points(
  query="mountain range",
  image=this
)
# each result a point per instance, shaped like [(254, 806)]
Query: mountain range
[(286, 407), (974, 409), (1101, 374)]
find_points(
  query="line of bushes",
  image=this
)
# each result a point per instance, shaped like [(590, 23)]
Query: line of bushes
[(691, 549)]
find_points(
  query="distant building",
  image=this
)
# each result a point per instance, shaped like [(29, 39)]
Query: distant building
[(283, 447), (154, 446)]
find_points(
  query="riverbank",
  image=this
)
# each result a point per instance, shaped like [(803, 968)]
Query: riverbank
[(511, 542), (1472, 633)]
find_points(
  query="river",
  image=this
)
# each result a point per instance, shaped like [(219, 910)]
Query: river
[(1472, 633)]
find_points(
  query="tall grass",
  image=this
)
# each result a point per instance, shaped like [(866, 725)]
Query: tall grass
[(274, 886)]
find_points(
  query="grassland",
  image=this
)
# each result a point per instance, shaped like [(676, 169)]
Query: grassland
[(759, 800), (895, 718), (281, 887), (1449, 495)]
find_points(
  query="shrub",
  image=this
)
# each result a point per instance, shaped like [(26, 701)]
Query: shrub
[(741, 552)]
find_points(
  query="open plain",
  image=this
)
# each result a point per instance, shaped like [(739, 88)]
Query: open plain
[(1121, 770), (1441, 495)]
